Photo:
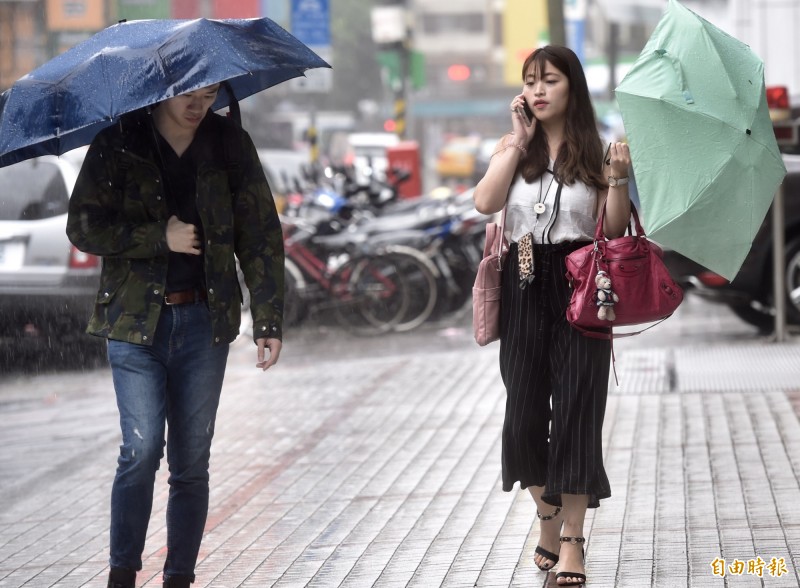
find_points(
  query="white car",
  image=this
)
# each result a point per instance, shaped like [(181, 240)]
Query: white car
[(366, 152), (47, 286)]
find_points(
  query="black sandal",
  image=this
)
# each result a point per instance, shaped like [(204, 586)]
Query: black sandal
[(541, 550), (581, 577)]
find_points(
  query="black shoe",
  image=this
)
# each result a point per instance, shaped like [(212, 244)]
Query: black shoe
[(580, 579), (121, 578), (178, 581), (541, 550)]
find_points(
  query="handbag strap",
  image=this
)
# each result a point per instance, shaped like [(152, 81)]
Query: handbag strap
[(502, 238), (608, 336), (599, 235)]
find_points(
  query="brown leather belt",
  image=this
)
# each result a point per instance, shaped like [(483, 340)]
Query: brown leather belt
[(185, 297)]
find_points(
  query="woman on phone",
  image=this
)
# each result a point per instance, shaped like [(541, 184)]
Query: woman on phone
[(550, 175)]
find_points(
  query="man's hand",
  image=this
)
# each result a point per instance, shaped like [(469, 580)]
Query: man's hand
[(182, 237), (274, 346)]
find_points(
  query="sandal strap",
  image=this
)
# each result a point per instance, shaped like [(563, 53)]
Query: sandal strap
[(550, 516), (573, 540)]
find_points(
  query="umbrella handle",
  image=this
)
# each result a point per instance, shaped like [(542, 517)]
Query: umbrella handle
[(233, 105), (676, 65)]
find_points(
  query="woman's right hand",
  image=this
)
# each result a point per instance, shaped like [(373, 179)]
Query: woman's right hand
[(519, 124)]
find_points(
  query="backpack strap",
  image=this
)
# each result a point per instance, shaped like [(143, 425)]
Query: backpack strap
[(232, 155)]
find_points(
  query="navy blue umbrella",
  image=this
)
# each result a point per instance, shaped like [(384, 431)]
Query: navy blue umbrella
[(64, 103)]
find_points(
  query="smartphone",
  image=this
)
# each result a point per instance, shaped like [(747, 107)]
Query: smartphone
[(526, 113)]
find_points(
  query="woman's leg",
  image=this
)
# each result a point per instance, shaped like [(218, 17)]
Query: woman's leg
[(550, 520), (570, 555), (580, 366), (524, 368)]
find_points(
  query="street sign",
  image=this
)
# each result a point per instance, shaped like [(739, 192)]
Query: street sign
[(311, 22), (388, 24), (311, 25)]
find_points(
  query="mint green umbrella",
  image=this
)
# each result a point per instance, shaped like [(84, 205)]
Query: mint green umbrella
[(703, 150)]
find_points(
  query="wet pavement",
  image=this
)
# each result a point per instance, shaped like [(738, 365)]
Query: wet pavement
[(361, 462)]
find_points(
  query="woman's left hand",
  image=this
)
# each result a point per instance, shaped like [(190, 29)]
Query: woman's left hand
[(619, 159)]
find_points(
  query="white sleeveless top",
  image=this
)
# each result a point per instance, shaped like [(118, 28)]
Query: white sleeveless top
[(575, 221)]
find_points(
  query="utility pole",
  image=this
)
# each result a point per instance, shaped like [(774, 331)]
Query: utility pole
[(401, 98), (390, 32), (613, 57), (779, 264), (555, 17)]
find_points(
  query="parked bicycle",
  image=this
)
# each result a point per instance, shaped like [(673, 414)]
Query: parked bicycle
[(370, 290), (376, 263)]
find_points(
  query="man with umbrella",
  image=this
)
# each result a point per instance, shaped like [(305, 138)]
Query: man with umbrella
[(170, 196), (167, 196)]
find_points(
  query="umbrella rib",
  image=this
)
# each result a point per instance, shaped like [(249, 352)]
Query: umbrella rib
[(106, 79)]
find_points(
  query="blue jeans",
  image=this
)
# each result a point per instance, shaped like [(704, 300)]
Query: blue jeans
[(177, 381)]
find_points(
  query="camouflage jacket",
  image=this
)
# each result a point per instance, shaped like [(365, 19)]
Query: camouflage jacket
[(118, 211)]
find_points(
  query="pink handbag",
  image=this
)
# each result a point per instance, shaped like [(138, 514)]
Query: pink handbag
[(634, 286), (486, 291)]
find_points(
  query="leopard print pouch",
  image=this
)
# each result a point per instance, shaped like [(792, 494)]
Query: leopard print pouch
[(525, 251)]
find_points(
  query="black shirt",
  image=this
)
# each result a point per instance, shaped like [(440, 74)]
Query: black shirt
[(185, 272)]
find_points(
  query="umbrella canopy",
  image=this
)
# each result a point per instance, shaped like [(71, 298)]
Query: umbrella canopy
[(64, 103), (703, 149)]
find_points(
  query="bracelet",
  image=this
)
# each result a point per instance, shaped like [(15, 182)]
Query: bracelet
[(504, 147)]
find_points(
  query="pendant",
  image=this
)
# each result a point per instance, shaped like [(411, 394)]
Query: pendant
[(539, 208)]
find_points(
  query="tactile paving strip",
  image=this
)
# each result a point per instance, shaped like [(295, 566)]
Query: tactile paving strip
[(719, 368)]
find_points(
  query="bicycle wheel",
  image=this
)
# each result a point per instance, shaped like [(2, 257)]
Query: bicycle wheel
[(420, 276), (373, 297), (295, 307)]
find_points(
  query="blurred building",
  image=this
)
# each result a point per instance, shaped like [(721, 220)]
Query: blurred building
[(473, 51), (33, 31), (22, 39)]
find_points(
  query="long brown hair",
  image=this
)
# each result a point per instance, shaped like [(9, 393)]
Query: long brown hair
[(580, 155)]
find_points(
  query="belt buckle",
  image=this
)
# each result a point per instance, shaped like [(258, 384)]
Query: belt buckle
[(182, 298)]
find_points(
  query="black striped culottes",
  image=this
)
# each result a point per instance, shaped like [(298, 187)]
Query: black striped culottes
[(556, 383)]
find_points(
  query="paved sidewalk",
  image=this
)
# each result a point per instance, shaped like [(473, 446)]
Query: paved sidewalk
[(333, 470)]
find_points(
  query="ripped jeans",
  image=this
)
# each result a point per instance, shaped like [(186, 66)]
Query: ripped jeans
[(177, 381)]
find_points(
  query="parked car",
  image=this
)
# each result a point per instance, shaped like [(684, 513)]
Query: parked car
[(283, 168), (482, 157), (456, 160), (750, 295), (47, 286), (365, 152)]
